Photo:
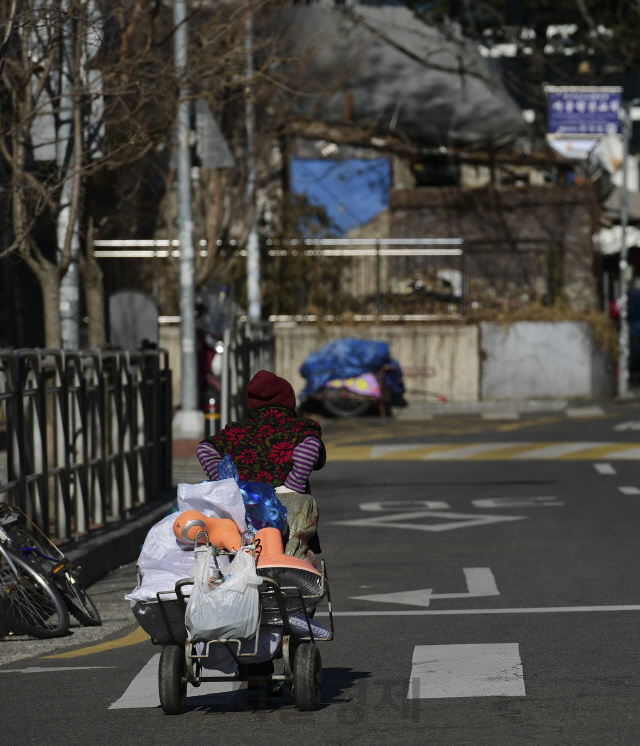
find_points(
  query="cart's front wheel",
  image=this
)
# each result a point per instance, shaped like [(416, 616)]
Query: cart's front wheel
[(172, 679), (307, 677)]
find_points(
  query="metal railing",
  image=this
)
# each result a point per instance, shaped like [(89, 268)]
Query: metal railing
[(248, 348), (375, 278), (88, 435), (411, 279)]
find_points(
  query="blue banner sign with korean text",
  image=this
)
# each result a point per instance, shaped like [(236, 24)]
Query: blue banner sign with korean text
[(584, 111)]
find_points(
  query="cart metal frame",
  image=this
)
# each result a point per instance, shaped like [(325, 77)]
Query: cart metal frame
[(296, 672)]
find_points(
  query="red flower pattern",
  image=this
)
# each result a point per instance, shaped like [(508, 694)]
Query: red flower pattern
[(262, 446), (281, 452), (247, 456), (235, 434)]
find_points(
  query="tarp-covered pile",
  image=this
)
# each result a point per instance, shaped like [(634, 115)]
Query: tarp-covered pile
[(348, 358)]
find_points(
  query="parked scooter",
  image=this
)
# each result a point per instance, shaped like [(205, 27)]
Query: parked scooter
[(210, 354)]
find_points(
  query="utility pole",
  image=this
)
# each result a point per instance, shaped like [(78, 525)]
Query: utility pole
[(625, 271), (65, 158), (188, 423), (253, 244)]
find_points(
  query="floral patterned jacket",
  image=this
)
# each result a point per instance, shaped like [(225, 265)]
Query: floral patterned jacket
[(262, 446)]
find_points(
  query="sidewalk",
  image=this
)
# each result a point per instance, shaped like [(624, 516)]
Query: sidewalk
[(108, 595)]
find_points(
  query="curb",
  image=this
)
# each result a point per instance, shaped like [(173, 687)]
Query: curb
[(117, 544)]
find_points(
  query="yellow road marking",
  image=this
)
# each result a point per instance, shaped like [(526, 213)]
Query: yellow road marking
[(509, 451), (348, 453), (409, 452), (138, 635), (613, 449)]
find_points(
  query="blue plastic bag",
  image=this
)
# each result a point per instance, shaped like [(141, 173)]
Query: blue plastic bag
[(263, 508), (344, 358)]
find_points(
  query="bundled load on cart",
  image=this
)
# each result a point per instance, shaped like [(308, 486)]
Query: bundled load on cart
[(349, 376), (217, 590)]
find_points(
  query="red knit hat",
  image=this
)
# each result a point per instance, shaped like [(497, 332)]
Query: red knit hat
[(266, 388)]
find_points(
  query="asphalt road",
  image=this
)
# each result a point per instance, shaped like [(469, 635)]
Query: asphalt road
[(512, 548)]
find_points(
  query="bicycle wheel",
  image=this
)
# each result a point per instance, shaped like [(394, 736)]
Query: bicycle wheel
[(29, 602), (77, 601), (346, 406)]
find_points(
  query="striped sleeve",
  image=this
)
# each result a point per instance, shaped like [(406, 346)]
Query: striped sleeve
[(209, 459), (304, 457)]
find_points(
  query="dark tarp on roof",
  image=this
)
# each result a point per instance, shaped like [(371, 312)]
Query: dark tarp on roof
[(351, 73)]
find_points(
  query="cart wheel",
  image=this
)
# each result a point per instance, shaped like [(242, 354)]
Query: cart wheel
[(172, 679), (307, 677)]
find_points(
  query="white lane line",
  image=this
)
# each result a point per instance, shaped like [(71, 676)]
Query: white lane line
[(42, 669), (454, 612), (506, 415), (561, 449), (622, 426), (464, 452), (485, 670), (383, 450), (143, 690), (629, 490), (584, 411), (604, 469)]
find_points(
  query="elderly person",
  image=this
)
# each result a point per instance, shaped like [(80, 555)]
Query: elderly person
[(275, 446)]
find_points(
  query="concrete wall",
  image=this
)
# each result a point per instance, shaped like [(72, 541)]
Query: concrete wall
[(436, 359), (522, 360), (543, 360)]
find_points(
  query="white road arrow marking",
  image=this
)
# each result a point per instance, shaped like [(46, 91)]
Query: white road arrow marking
[(378, 507), (480, 582), (516, 502), (448, 521)]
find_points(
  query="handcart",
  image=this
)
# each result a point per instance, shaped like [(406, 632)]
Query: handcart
[(280, 605)]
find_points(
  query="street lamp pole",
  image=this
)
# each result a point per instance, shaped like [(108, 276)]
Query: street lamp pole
[(623, 339), (253, 244), (189, 422)]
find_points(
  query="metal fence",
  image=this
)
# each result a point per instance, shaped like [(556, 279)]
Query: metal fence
[(248, 348), (88, 435), (417, 279)]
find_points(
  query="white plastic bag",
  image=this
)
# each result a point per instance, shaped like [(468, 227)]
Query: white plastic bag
[(226, 611), (221, 499)]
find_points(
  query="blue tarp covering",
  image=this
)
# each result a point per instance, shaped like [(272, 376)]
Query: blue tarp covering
[(351, 191), (343, 358)]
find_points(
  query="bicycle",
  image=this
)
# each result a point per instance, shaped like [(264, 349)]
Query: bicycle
[(43, 556), (29, 603)]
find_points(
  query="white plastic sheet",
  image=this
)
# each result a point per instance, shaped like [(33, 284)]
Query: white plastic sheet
[(221, 499), (229, 610), (164, 560)]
